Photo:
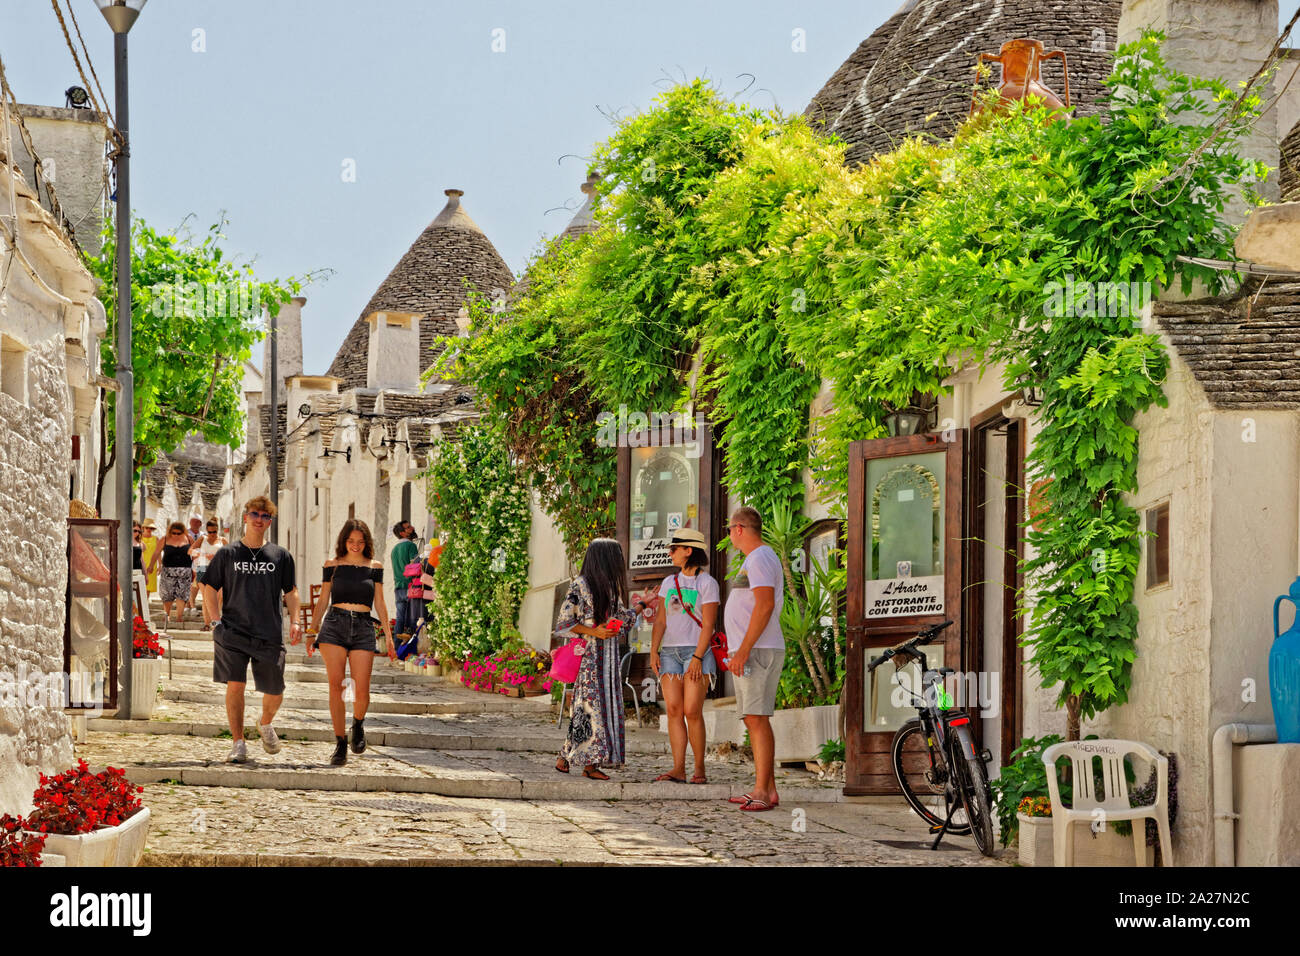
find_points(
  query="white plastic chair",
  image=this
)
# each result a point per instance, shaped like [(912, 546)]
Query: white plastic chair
[(1115, 803)]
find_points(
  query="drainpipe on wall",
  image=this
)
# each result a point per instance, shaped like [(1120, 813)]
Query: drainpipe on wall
[(1225, 851)]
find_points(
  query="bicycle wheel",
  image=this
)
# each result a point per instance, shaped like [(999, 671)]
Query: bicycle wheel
[(973, 782), (923, 776)]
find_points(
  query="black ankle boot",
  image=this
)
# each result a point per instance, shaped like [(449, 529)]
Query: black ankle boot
[(340, 752), (358, 735)]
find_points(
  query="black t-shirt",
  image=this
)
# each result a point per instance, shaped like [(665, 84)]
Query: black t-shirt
[(252, 581)]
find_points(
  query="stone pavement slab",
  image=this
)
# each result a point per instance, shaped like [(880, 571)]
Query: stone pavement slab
[(212, 825)]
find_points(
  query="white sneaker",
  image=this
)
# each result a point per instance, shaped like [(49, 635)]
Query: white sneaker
[(270, 740), (238, 753)]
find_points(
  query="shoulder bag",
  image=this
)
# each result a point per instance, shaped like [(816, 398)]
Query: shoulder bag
[(717, 643)]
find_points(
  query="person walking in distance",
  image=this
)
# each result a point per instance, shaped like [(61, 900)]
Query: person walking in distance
[(249, 579), (202, 553), (177, 571), (403, 553), (757, 648), (352, 583)]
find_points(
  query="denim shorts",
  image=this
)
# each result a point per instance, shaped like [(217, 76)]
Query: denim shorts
[(352, 630), (675, 660)]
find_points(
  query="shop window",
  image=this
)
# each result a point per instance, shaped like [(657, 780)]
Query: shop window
[(1158, 545), (13, 369)]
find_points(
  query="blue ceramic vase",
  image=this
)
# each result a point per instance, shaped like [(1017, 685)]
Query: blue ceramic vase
[(1284, 671)]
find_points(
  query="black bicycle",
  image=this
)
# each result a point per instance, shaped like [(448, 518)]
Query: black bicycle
[(942, 776)]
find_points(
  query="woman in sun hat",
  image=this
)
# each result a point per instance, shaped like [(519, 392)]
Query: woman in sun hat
[(679, 648), (149, 545)]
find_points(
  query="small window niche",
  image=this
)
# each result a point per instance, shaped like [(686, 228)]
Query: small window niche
[(1158, 546), (13, 369)]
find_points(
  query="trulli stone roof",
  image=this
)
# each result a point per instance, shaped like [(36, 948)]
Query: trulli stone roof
[(915, 73), (188, 473), (429, 281), (1242, 349), (1289, 172)]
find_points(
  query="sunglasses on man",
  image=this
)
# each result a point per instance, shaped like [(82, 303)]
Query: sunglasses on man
[(260, 515)]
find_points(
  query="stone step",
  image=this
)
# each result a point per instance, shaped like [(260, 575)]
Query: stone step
[(527, 739), (488, 703), (309, 672), (451, 782), (244, 860)]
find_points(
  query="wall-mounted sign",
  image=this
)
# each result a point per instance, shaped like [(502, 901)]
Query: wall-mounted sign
[(904, 595), (649, 553)]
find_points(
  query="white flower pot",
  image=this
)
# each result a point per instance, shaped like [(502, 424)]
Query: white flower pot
[(145, 674), (1105, 848), (109, 846), (800, 732)]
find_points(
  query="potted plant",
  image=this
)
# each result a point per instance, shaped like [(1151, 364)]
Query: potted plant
[(18, 845), (1024, 809), (90, 819), (146, 670)]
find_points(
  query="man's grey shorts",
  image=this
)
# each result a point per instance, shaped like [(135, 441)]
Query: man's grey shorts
[(231, 654), (756, 694)]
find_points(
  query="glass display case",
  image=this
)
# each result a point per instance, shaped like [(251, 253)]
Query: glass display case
[(665, 498), (90, 646)]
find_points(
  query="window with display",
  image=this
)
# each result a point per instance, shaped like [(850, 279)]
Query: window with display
[(665, 497)]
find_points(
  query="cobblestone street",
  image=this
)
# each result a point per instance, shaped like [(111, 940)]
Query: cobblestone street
[(453, 776)]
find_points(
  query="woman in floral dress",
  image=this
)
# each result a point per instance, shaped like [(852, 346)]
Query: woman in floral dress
[(597, 596)]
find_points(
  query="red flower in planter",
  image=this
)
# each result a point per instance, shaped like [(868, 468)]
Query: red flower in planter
[(17, 846), (77, 801)]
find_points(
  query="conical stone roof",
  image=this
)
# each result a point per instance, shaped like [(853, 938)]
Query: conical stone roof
[(915, 73), (428, 281)]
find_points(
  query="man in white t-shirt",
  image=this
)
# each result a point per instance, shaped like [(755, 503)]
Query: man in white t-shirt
[(757, 647)]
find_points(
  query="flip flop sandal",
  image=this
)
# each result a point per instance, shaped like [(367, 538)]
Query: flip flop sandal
[(699, 778), (591, 773), (668, 776), (562, 765), (742, 799), (757, 806)]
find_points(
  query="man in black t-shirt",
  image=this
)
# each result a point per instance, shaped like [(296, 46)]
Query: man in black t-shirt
[(251, 575)]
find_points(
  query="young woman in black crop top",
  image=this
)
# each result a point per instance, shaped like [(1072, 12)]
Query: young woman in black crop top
[(352, 583)]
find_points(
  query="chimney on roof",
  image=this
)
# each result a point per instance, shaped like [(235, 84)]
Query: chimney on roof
[(393, 352), (289, 331)]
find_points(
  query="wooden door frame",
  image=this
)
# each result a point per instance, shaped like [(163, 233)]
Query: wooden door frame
[(862, 635), (1011, 721)]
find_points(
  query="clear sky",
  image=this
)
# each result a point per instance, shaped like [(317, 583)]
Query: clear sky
[(261, 122), (255, 106)]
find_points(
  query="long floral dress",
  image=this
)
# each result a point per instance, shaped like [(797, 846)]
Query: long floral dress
[(596, 732)]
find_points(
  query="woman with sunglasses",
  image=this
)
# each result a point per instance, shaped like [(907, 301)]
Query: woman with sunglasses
[(174, 582), (679, 648)]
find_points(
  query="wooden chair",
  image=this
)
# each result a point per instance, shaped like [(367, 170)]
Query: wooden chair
[(307, 609), (1114, 805)]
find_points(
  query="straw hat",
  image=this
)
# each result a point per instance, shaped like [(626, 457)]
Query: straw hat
[(689, 536)]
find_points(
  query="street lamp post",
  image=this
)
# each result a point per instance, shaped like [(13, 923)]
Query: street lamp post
[(121, 15)]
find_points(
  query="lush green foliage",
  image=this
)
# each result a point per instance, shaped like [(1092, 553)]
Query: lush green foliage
[(195, 317), (1025, 775), (480, 502), (739, 240), (533, 394)]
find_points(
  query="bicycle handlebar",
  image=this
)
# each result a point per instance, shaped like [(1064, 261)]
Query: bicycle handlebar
[(924, 637)]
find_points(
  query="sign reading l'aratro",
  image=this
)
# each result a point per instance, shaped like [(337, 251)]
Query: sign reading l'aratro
[(904, 596)]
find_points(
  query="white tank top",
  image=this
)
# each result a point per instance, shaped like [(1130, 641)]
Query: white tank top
[(206, 550)]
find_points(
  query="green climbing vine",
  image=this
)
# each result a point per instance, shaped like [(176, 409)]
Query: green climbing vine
[(739, 264), (480, 502)]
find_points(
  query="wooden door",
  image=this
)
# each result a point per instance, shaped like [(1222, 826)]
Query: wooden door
[(905, 523)]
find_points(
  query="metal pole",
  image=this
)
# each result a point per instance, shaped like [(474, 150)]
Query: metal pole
[(125, 422), (275, 426)]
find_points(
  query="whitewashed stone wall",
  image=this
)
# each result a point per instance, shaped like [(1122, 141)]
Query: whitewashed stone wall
[(35, 461)]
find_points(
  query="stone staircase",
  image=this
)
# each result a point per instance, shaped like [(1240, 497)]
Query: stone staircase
[(426, 735)]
